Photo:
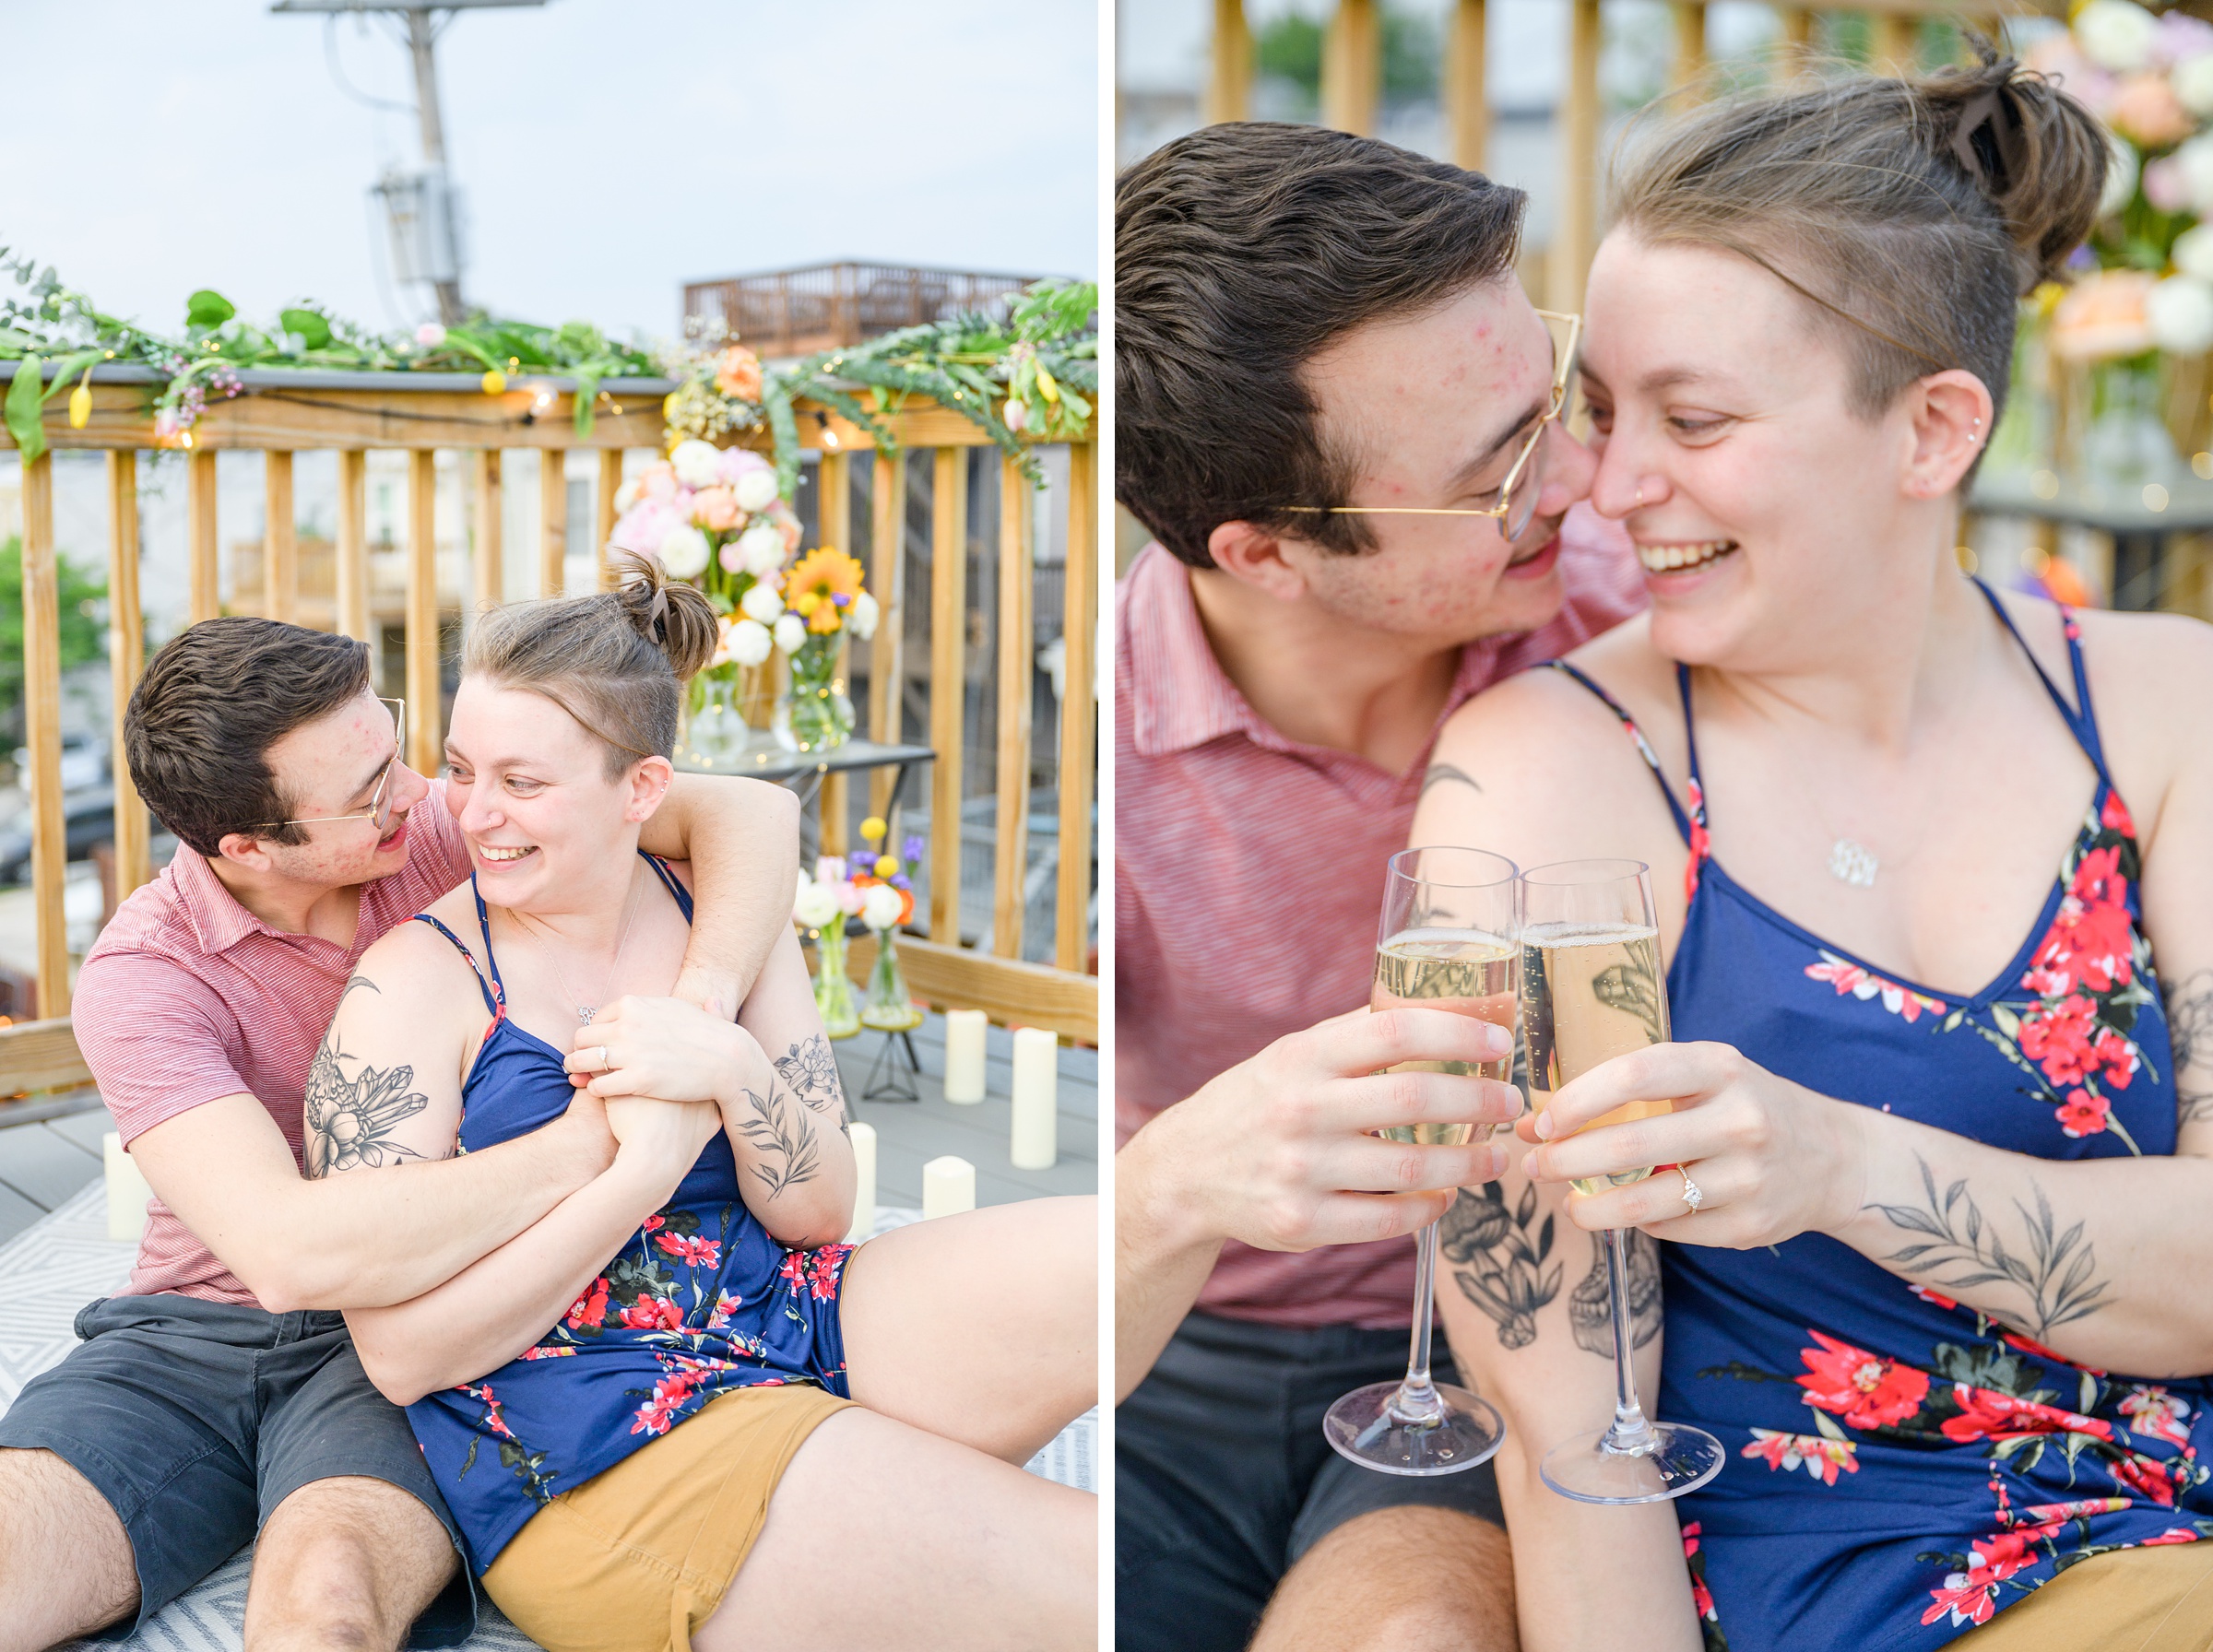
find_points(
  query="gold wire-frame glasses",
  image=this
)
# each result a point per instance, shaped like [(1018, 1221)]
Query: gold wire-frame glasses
[(1516, 504), (379, 812)]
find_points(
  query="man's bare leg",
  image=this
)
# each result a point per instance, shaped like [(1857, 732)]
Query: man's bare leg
[(66, 1565), (1406, 1579), (348, 1563)]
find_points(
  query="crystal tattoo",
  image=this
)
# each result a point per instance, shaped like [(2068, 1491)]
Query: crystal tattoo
[(349, 1122)]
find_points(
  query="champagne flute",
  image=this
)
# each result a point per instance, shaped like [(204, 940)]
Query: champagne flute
[(1448, 941), (1591, 989)]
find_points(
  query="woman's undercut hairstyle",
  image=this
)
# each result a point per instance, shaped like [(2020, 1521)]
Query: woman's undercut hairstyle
[(616, 661), (1241, 252), (1910, 214)]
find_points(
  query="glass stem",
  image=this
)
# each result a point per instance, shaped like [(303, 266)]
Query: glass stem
[(1417, 1400), (1631, 1432)]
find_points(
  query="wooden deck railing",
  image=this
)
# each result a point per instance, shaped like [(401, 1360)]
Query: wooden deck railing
[(283, 413)]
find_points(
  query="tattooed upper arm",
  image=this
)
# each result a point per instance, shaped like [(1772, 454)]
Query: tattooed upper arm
[(364, 1107), (2190, 1026)]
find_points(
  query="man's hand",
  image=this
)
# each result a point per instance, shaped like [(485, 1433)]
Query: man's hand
[(1280, 1152), (663, 1140)]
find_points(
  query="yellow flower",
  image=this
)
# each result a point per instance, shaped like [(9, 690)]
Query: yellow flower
[(495, 382), (887, 866), (873, 828), (817, 580), (80, 402), (1046, 387)]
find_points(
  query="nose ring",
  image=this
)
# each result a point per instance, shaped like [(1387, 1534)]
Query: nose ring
[(1641, 496)]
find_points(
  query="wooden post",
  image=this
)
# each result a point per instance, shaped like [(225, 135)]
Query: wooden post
[(126, 654), (353, 544), (426, 715), (1567, 260), (199, 496), (42, 729), (1017, 655), (1230, 73), (553, 519), (1351, 66), (490, 563), (603, 513), (1896, 43), (833, 512), (948, 685), (887, 578), (1796, 48), (280, 541), (1079, 633), (1467, 108), (1689, 66)]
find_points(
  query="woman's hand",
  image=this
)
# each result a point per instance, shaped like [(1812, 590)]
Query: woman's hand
[(1771, 1158), (665, 1048)]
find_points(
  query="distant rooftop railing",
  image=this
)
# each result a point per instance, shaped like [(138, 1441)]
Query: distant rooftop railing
[(826, 306)]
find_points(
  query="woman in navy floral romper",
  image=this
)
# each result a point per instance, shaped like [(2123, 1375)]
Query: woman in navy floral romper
[(1935, 877)]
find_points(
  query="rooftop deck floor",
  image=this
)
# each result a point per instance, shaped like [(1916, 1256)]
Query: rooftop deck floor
[(44, 1161)]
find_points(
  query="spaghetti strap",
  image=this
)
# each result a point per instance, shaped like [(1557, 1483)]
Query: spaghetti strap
[(670, 881), (495, 998), (2080, 717), (1684, 823)]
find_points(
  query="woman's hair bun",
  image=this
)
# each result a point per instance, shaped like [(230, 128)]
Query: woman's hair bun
[(674, 617), (2037, 154)]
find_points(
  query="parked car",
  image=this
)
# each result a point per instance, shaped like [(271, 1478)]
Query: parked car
[(90, 819)]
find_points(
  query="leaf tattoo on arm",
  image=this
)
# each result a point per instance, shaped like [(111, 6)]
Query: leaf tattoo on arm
[(810, 1071), (1496, 1262), (2190, 1026), (1448, 774), (349, 1122), (2056, 1275), (781, 1136), (1590, 1304)]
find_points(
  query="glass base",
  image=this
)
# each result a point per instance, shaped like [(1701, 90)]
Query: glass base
[(1675, 1458), (1364, 1426)]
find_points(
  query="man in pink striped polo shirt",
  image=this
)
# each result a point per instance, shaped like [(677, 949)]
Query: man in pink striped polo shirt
[(1326, 376), (220, 1399)]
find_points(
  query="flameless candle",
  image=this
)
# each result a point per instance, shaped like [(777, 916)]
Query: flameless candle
[(127, 1191), (864, 1183), (1037, 1098), (964, 1054), (948, 1186)]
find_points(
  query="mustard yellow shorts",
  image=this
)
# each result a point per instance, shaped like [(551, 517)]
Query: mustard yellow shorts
[(635, 1559), (2155, 1599)]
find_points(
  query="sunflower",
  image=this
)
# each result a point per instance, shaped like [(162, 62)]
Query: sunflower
[(819, 584)]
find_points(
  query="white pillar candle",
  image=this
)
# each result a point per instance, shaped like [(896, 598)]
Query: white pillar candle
[(1037, 1098), (964, 1054), (864, 1183), (948, 1186), (127, 1191)]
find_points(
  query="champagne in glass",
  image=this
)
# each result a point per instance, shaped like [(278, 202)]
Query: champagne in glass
[(1592, 989), (1448, 940)]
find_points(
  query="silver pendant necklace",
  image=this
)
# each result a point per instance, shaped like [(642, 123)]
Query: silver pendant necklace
[(1853, 863), (586, 1011)]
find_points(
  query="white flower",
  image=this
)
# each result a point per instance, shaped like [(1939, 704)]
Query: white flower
[(862, 619), (2115, 34), (761, 548), (2196, 160), (829, 869), (756, 490), (1016, 413), (626, 496), (2181, 313), (880, 906), (683, 552), (762, 602), (699, 464), (2194, 252), (2120, 173), (791, 633), (851, 897), (817, 904), (2192, 81), (750, 642), (429, 334)]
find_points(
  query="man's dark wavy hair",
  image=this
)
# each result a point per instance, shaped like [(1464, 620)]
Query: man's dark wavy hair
[(1240, 251)]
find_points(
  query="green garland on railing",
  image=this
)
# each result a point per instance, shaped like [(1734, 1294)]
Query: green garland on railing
[(1033, 373)]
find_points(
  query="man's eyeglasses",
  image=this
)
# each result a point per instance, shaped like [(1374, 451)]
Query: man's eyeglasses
[(1518, 494), (379, 812)]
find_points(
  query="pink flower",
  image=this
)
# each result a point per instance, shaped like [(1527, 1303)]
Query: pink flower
[(691, 1249), (2157, 1413), (2145, 1475), (1985, 1414), (1865, 1390), (715, 508), (738, 462), (657, 481), (2082, 1114), (2173, 1534), (1821, 1457), (1848, 978)]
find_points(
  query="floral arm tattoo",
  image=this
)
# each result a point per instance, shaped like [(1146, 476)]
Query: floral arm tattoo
[(811, 1071), (349, 1122), (1498, 1264), (2190, 1025), (781, 1133), (1590, 1306)]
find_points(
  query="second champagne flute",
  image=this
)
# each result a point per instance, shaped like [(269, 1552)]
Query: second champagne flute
[(1591, 989), (1448, 941)]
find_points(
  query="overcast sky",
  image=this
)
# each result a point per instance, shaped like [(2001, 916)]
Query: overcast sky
[(609, 149)]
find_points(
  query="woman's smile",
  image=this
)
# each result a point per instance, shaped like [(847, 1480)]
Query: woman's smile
[(1682, 557)]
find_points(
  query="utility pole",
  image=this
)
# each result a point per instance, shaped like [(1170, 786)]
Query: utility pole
[(420, 209)]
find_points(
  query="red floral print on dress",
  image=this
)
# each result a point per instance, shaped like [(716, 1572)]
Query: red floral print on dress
[(1864, 984), (2173, 1534), (1985, 1414), (654, 1313), (691, 1249), (1820, 1456), (2145, 1475), (1865, 1390), (590, 1309), (1700, 1596), (2154, 1412)]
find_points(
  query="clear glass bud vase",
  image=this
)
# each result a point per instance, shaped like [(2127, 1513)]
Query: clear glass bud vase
[(832, 986), (813, 713), (887, 1008)]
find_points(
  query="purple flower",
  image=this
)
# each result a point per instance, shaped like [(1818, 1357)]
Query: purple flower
[(911, 849)]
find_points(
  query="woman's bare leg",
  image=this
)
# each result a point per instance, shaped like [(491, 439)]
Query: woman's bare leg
[(981, 1327), (883, 1536)]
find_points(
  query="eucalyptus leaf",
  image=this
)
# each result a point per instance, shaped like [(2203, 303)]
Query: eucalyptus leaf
[(208, 308)]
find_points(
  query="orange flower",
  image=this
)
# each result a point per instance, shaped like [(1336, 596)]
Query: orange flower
[(2102, 317), (737, 373), (820, 586), (2149, 112)]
